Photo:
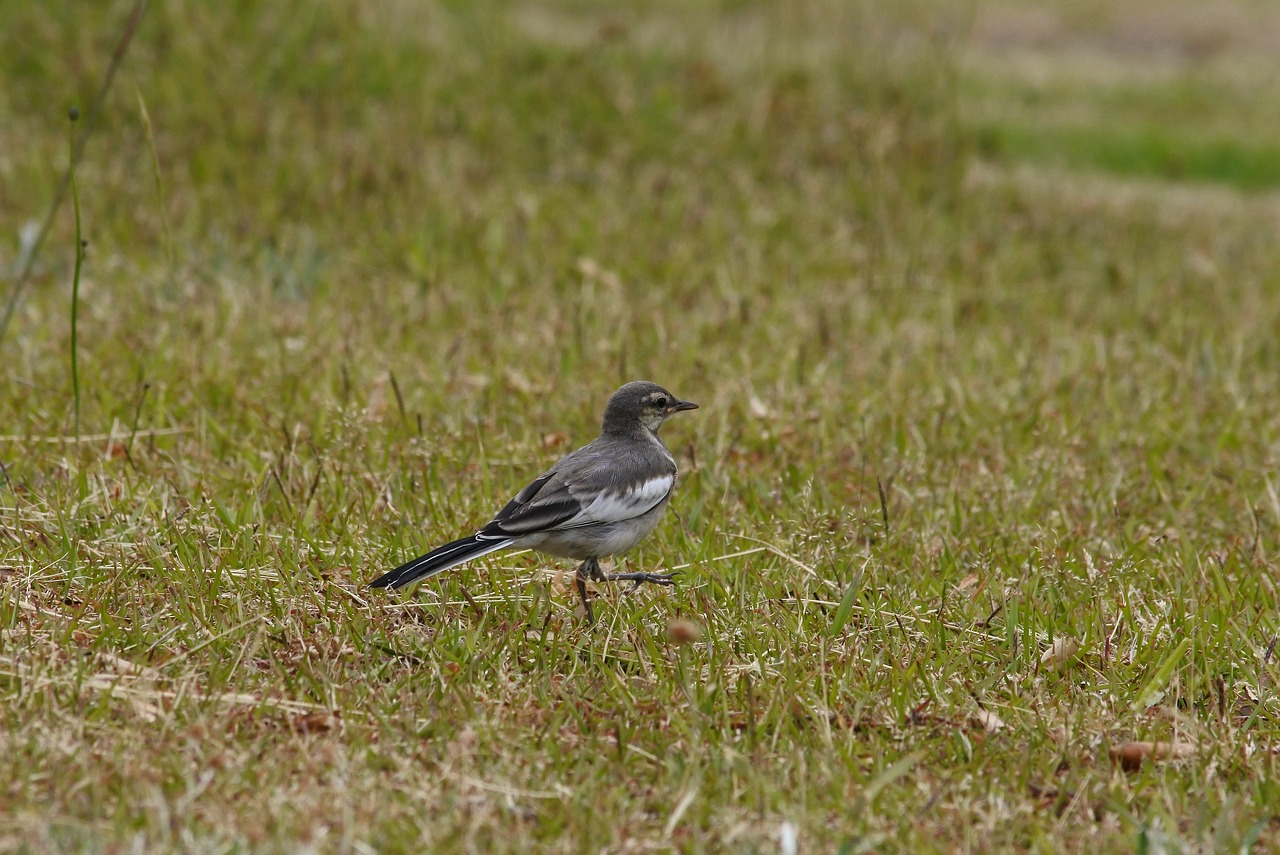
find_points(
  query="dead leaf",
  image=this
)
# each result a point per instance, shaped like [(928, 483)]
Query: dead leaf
[(989, 721), (520, 382), (313, 722), (555, 439), (1060, 653), (1131, 755)]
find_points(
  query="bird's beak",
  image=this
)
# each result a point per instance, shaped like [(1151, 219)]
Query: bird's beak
[(681, 406)]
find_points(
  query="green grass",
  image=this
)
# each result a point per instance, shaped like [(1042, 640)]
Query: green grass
[(358, 270), (1145, 152)]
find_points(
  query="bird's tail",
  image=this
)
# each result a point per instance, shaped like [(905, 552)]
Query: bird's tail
[(439, 560)]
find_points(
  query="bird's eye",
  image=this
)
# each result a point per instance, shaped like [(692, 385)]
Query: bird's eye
[(660, 401)]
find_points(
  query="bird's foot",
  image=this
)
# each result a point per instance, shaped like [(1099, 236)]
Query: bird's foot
[(638, 579)]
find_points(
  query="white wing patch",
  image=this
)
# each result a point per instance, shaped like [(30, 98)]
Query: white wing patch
[(611, 507)]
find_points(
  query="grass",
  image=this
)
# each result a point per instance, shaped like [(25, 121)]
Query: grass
[(983, 485), (1149, 152)]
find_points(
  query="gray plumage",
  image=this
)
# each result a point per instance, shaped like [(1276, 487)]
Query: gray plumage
[(599, 500)]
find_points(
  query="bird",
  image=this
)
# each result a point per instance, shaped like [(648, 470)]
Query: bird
[(598, 501)]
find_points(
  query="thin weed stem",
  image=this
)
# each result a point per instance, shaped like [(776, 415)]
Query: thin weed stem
[(75, 277)]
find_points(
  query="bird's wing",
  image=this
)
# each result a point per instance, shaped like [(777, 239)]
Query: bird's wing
[(625, 502), (525, 496), (543, 505), (573, 496)]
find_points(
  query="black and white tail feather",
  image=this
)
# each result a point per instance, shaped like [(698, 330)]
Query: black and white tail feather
[(439, 560)]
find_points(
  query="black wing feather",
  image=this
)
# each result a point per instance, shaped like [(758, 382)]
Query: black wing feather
[(523, 497), (540, 510)]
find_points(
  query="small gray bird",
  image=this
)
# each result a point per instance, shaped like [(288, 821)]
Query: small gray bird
[(599, 500)]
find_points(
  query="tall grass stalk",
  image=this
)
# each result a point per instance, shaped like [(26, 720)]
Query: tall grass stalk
[(75, 276)]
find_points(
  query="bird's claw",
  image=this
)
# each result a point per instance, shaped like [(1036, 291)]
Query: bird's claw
[(638, 579)]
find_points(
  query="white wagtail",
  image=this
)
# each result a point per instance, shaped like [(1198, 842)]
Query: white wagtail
[(599, 500)]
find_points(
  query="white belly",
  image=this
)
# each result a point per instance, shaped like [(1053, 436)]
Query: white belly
[(596, 541)]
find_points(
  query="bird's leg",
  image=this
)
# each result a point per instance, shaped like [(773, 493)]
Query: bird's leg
[(589, 569), (596, 574)]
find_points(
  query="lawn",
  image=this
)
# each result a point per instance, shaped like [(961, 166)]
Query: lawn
[(979, 519)]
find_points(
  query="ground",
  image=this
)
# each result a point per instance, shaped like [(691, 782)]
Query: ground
[(979, 519)]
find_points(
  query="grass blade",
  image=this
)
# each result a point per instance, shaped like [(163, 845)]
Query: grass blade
[(1151, 691), (845, 608)]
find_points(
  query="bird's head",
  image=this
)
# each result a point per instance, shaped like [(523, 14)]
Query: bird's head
[(642, 403)]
